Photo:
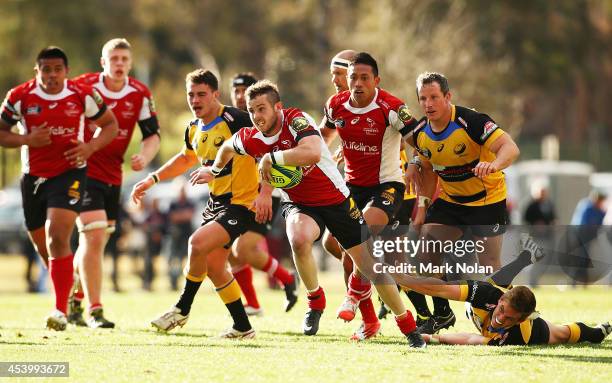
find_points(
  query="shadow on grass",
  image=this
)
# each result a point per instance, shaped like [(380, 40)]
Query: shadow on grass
[(224, 345), (298, 335)]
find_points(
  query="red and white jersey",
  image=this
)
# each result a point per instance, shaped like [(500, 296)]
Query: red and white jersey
[(64, 113), (132, 104), (322, 184), (370, 136)]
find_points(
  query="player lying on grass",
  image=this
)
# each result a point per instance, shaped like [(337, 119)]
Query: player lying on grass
[(504, 316)]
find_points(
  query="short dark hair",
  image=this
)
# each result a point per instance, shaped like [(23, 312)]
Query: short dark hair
[(203, 76), (521, 299), (243, 79), (430, 78), (264, 87), (52, 52), (366, 59)]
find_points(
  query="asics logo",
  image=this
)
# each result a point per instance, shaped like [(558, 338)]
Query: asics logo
[(53, 105), (232, 222)]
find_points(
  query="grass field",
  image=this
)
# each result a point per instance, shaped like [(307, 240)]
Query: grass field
[(134, 352)]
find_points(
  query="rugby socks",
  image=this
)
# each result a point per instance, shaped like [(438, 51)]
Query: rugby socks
[(192, 284), (61, 271), (244, 277), (504, 276), (230, 295), (276, 270), (361, 290), (316, 299), (405, 322), (420, 304), (579, 332)]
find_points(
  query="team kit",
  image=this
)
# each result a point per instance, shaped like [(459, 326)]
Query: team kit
[(258, 156)]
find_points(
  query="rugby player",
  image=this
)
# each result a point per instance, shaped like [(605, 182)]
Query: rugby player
[(228, 212), (247, 250), (51, 110), (131, 102), (320, 200), (467, 151), (371, 124)]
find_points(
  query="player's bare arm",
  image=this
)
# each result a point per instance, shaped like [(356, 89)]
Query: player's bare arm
[(38, 136), (176, 166), (506, 152), (460, 338), (205, 174), (148, 149), (82, 151), (263, 203), (307, 152)]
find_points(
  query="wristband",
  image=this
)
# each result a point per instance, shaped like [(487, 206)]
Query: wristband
[(424, 201), (215, 170), (154, 177), (416, 160), (278, 157)]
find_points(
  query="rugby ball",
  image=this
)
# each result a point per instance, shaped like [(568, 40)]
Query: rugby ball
[(285, 176)]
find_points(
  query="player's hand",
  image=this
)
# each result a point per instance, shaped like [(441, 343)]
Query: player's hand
[(265, 165), (200, 176), (140, 189), (426, 337), (483, 169), (414, 178), (263, 207), (79, 154), (138, 162), (338, 155), (39, 136)]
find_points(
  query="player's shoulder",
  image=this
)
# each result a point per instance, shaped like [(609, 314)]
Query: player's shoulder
[(235, 118), (139, 86), (82, 89), (88, 78), (338, 99), (387, 100), (21, 90), (297, 120), (478, 125), (191, 124)]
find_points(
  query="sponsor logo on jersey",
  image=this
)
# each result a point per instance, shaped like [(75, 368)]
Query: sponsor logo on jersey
[(52, 105), (232, 222), (129, 105), (72, 109), (33, 109), (299, 123), (459, 149), (370, 122), (339, 123), (123, 133), (404, 113), (219, 141), (370, 131), (488, 128), (360, 147), (112, 105), (354, 120), (228, 117), (440, 147), (62, 131), (495, 228)]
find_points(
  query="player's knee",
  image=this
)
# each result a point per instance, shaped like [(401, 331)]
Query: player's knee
[(300, 243)]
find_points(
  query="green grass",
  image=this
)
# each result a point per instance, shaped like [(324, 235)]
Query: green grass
[(134, 352)]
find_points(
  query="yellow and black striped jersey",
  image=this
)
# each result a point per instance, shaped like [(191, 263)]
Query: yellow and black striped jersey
[(482, 298), (455, 151), (238, 182)]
